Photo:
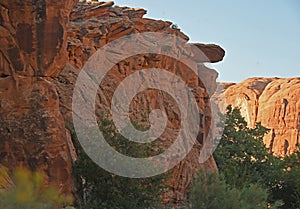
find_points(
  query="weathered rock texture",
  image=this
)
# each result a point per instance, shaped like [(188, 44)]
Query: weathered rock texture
[(35, 38), (32, 48), (272, 101), (94, 25)]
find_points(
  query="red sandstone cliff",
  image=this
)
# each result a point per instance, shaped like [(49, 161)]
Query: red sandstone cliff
[(272, 101), (44, 45), (94, 25), (33, 42)]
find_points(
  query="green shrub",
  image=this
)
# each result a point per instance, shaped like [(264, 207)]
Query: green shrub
[(212, 192), (26, 190)]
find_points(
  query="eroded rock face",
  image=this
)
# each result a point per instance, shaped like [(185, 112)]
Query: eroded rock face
[(33, 36), (275, 103), (33, 49), (36, 36), (279, 110), (32, 129), (94, 25)]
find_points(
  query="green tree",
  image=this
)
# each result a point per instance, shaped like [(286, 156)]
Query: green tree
[(99, 189), (241, 155), (243, 160), (288, 189), (211, 191)]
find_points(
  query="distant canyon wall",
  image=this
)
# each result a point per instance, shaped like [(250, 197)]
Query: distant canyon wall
[(275, 102)]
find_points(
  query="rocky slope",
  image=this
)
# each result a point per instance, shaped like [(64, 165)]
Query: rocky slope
[(44, 45), (272, 101)]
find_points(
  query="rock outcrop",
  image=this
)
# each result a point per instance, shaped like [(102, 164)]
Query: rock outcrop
[(45, 44), (272, 101), (33, 37), (33, 46), (94, 25)]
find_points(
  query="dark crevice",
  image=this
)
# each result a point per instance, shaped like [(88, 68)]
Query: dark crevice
[(286, 146), (272, 140), (285, 102), (4, 76), (2, 5)]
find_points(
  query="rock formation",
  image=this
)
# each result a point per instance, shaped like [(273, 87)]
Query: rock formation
[(272, 101), (90, 30), (45, 44), (32, 50)]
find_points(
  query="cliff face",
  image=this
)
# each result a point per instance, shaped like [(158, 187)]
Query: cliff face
[(32, 48), (33, 37), (91, 27), (45, 44), (272, 101)]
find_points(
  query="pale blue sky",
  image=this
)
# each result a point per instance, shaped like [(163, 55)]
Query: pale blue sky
[(261, 37)]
